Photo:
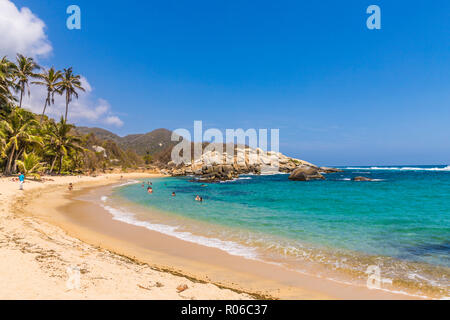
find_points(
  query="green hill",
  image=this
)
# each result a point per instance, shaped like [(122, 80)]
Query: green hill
[(152, 142)]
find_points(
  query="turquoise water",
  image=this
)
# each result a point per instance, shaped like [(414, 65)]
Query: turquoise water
[(401, 221)]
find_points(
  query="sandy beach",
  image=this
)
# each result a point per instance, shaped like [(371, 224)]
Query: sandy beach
[(46, 229), (35, 255)]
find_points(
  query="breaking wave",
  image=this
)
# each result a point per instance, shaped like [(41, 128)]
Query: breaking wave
[(447, 168)]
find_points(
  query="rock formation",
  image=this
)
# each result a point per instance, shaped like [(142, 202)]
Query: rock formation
[(329, 170), (361, 179), (306, 173), (215, 166)]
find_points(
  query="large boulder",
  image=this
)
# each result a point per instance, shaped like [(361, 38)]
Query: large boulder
[(329, 170), (362, 179), (306, 173)]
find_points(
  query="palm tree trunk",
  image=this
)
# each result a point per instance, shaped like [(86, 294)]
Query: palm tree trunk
[(67, 106), (8, 164), (53, 163), (21, 96), (43, 112), (60, 164), (16, 157)]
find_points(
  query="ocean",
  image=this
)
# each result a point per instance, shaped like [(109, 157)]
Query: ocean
[(337, 229)]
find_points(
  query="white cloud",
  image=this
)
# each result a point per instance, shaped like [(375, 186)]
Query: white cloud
[(21, 32), (85, 109), (114, 120)]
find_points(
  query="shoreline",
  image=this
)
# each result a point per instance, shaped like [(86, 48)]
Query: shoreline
[(163, 252)]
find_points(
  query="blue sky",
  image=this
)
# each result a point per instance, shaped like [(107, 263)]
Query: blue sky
[(339, 93)]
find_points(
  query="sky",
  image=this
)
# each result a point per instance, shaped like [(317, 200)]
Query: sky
[(339, 93)]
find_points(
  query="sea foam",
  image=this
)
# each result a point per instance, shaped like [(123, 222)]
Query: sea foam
[(228, 246), (447, 168)]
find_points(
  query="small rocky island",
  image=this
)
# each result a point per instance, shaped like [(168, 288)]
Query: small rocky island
[(214, 166)]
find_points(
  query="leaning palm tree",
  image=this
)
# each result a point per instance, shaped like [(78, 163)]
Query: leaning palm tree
[(31, 165), (19, 130), (24, 70), (61, 142), (50, 79), (69, 84)]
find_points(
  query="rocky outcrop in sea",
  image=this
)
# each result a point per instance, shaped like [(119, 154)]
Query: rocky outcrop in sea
[(214, 166)]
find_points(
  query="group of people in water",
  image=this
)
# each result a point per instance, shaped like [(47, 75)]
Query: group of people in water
[(150, 191)]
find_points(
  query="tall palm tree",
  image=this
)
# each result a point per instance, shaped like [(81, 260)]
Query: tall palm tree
[(19, 130), (6, 80), (69, 84), (24, 70), (61, 142), (49, 78)]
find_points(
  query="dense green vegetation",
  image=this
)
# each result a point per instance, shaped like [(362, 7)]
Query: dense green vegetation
[(35, 144)]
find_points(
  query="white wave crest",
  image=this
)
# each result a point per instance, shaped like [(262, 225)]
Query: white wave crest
[(447, 168), (228, 246), (127, 183)]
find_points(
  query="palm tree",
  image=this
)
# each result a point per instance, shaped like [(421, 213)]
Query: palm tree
[(69, 84), (24, 70), (61, 142), (19, 130), (49, 78), (31, 165), (6, 80)]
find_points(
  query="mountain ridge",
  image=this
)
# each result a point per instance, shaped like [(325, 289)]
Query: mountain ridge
[(151, 142)]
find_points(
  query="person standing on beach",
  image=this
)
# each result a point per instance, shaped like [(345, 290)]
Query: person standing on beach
[(21, 180)]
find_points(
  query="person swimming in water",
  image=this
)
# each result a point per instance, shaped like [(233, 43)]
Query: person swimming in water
[(197, 198), (149, 190), (173, 194)]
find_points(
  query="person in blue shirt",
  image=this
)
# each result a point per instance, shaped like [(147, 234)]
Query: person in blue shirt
[(21, 180)]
